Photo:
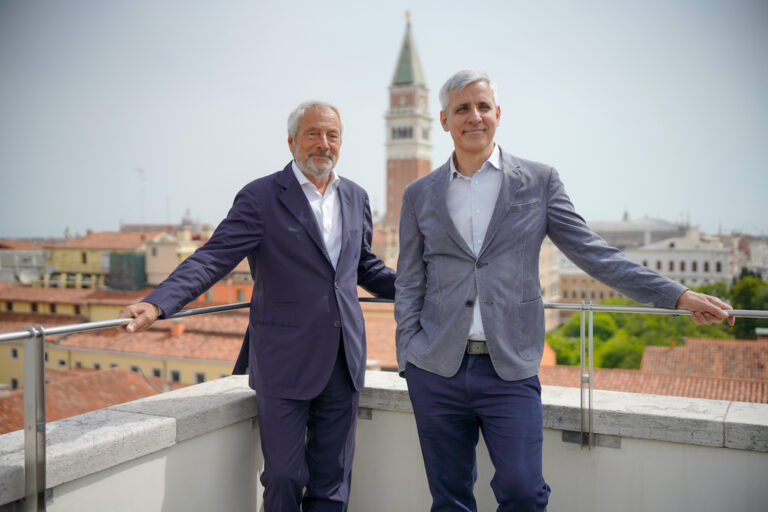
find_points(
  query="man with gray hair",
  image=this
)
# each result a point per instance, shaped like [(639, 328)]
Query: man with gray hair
[(306, 232), (470, 318)]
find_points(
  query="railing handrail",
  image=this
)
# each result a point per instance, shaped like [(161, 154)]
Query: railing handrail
[(117, 322)]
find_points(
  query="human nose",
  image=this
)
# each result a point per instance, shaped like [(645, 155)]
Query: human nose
[(474, 115), (324, 143)]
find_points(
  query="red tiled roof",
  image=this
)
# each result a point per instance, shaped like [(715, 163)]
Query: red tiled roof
[(11, 244), (77, 392), (81, 296), (636, 381), (231, 322), (106, 240), (188, 345), (734, 359), (12, 322)]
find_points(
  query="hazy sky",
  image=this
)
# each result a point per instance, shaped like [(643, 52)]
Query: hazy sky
[(658, 108)]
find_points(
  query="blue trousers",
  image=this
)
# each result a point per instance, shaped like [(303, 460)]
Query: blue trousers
[(309, 444), (450, 412)]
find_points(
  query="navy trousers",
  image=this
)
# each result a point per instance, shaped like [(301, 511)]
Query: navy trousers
[(308, 446), (450, 413)]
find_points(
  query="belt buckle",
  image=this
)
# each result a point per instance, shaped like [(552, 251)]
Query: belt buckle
[(476, 347)]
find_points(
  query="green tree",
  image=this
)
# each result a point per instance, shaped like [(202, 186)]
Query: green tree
[(749, 292)]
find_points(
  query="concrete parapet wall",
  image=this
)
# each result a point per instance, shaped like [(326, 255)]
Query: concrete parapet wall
[(197, 447)]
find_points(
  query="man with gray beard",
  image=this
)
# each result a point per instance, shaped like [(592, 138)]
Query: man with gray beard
[(307, 235)]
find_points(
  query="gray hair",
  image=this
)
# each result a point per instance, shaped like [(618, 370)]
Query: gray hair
[(295, 116), (459, 80)]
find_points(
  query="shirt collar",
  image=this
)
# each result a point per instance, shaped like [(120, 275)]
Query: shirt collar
[(493, 162), (303, 180)]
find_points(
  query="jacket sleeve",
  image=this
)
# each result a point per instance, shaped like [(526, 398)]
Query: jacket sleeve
[(411, 280), (570, 233), (235, 237), (372, 273)]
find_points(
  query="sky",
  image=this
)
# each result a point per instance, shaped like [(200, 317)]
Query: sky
[(114, 111)]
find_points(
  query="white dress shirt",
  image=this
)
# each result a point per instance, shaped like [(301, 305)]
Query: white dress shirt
[(470, 204), (327, 210)]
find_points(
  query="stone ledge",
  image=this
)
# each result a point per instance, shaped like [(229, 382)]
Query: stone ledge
[(202, 408), (83, 445), (98, 440), (746, 427)]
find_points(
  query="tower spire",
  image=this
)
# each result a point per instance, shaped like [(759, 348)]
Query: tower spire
[(408, 69)]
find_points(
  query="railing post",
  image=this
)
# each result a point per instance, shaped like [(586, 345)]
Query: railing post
[(591, 371), (34, 420), (585, 375)]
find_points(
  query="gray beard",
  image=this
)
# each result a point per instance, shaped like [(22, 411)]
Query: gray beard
[(310, 166)]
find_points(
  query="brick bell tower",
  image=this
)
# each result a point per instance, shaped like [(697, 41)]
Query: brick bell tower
[(409, 147)]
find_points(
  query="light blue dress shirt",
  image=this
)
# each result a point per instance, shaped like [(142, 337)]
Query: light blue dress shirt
[(470, 204)]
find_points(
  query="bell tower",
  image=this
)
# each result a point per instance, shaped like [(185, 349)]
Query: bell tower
[(409, 147)]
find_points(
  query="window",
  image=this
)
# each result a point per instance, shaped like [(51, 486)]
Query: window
[(114, 365), (602, 295), (46, 357), (14, 383), (175, 376), (199, 377), (62, 363), (77, 310), (658, 264), (156, 372), (718, 267), (682, 266), (134, 368), (9, 306), (706, 267), (240, 295), (645, 263), (695, 266), (78, 364), (34, 307), (96, 366), (671, 266), (84, 257), (53, 308), (14, 353), (402, 132), (154, 251)]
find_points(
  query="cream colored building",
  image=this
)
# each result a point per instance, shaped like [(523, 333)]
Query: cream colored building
[(83, 262), (164, 254)]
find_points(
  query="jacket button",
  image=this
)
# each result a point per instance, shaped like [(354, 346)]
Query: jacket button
[(336, 284), (480, 264), (469, 303), (337, 323)]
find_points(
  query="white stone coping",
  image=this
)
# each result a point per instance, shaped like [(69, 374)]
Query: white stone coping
[(98, 440)]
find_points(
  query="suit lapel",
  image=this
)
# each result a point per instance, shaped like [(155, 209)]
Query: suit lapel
[(346, 218), (296, 202), (440, 188), (510, 184)]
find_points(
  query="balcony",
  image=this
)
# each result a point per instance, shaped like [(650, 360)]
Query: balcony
[(197, 448)]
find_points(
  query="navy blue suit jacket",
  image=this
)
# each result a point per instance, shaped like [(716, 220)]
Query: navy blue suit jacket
[(299, 302)]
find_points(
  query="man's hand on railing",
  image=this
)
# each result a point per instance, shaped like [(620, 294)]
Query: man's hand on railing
[(143, 313), (705, 309)]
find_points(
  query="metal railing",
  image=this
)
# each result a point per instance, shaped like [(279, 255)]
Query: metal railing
[(34, 374)]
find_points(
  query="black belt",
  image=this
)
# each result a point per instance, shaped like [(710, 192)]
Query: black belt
[(475, 347)]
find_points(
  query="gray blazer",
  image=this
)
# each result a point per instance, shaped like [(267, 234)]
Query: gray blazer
[(438, 275)]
